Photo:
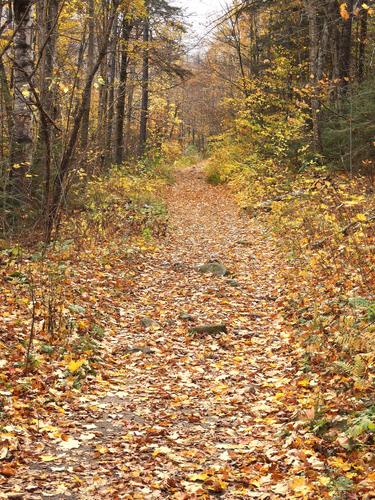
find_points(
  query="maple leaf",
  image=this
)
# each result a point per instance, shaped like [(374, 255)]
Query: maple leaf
[(74, 366), (300, 486), (339, 463), (198, 477)]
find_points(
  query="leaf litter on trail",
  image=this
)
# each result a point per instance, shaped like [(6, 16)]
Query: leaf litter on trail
[(162, 413)]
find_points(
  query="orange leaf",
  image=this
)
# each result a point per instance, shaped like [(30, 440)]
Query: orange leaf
[(7, 471), (344, 12)]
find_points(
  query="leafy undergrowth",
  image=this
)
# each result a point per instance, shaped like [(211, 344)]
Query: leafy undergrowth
[(324, 223), (57, 304), (191, 156)]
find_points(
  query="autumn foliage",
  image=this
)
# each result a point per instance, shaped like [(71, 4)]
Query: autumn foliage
[(187, 251)]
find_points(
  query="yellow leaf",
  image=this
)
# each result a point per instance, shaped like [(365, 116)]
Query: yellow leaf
[(339, 463), (324, 480), (198, 477), (304, 383), (344, 12), (300, 486), (82, 324), (102, 450), (361, 217), (74, 366), (218, 486), (163, 450), (49, 458)]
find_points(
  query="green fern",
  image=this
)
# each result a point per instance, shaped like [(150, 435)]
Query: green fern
[(343, 367), (363, 423), (359, 367)]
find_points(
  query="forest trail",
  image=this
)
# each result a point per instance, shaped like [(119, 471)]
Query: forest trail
[(177, 415)]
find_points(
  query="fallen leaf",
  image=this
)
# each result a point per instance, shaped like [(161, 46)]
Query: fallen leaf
[(69, 444), (74, 366)]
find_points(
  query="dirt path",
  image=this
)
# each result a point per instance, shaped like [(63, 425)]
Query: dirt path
[(178, 416)]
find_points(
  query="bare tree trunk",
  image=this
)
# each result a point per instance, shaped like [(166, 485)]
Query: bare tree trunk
[(120, 107), (346, 49), (111, 95), (312, 15), (102, 109), (7, 98), (333, 18), (236, 33), (22, 133), (145, 89), (362, 44), (42, 157), (129, 108), (90, 65), (323, 43), (254, 44)]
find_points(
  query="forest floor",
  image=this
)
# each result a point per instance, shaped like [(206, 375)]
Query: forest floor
[(176, 414)]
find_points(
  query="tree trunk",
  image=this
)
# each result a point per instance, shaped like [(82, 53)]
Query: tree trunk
[(346, 49), (7, 99), (254, 44), (111, 94), (333, 17), (362, 44), (22, 133), (129, 110), (90, 65), (312, 15), (42, 156), (120, 105), (145, 89)]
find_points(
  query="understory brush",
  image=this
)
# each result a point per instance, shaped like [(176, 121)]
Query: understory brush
[(189, 157), (59, 302), (122, 204), (323, 221)]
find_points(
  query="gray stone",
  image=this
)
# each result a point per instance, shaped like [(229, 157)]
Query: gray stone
[(147, 322), (216, 268), (143, 350), (208, 329), (186, 317), (233, 283)]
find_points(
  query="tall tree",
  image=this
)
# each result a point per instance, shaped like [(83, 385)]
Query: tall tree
[(362, 44), (22, 132), (145, 87), (42, 156), (346, 45), (89, 66), (120, 106), (111, 91), (316, 58)]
